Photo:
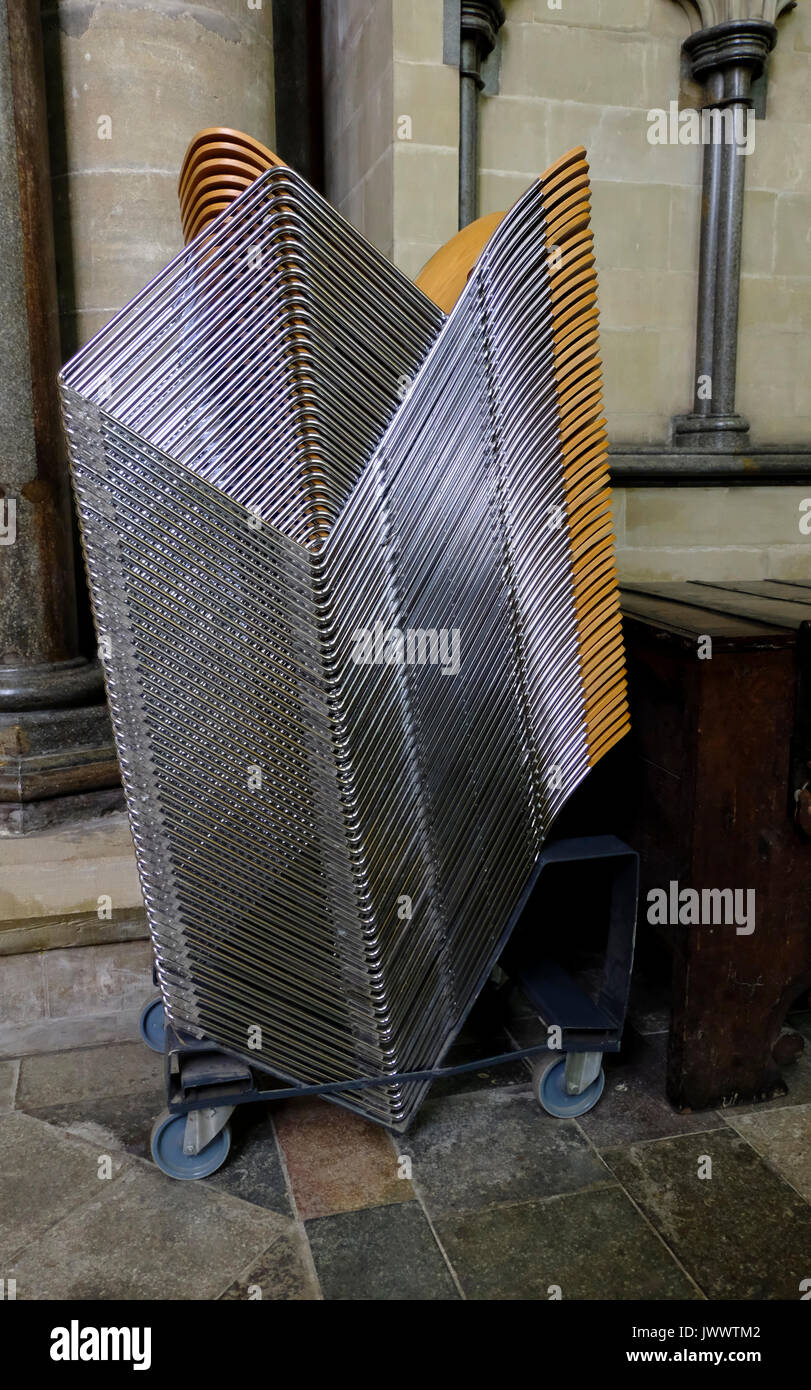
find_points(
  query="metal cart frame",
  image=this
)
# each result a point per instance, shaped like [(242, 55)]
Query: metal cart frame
[(205, 1083)]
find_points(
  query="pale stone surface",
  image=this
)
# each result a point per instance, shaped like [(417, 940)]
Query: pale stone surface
[(800, 28), (775, 302), (640, 299), (9, 1076), (121, 1069), (631, 223), (660, 565), (670, 19), (685, 208), (97, 979), (637, 427), (793, 235), (45, 1175), (138, 1236), (429, 95), (683, 517), (539, 60), (129, 83), (791, 562), (643, 369), (758, 244), (789, 78), (74, 929), (359, 114), (22, 992), (773, 372), (377, 203), (417, 31), (65, 870), (514, 136), (498, 191), (55, 1035), (781, 159), (425, 194), (412, 256), (114, 232), (618, 515), (784, 1138), (616, 140), (607, 14)]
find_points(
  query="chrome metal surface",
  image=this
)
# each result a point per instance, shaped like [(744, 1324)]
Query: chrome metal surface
[(278, 446)]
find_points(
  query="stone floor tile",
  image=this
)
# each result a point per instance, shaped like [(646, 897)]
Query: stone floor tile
[(43, 1176), (119, 1069), (253, 1170), (741, 1234), (495, 1147), (481, 1079), (283, 1273), (111, 1122), (336, 1160), (591, 1245), (147, 1237), (784, 1138), (382, 1253), (634, 1105)]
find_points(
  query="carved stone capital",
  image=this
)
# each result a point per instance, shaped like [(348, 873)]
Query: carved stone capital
[(706, 14), (730, 56), (481, 21)]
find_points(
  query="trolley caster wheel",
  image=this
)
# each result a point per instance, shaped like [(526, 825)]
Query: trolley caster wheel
[(152, 1024), (167, 1150), (549, 1085)]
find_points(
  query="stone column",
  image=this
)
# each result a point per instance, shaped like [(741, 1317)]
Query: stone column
[(55, 737), (727, 53), (129, 83), (480, 22)]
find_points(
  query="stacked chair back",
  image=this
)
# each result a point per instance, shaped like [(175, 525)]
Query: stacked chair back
[(352, 569)]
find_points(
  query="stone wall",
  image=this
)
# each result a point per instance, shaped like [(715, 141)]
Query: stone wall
[(129, 83), (358, 115), (587, 73)]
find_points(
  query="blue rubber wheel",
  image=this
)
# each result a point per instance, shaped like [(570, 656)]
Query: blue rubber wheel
[(550, 1088), (153, 1024), (167, 1150)]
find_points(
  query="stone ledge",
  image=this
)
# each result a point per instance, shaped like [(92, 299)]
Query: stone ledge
[(54, 884), (61, 1034), (81, 929), (659, 465)]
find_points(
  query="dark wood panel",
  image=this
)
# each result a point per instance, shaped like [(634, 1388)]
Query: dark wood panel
[(710, 753), (718, 599)]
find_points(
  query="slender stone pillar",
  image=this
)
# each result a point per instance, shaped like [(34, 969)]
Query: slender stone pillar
[(480, 23), (55, 736), (727, 54)]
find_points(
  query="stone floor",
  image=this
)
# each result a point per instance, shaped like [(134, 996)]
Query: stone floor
[(502, 1202)]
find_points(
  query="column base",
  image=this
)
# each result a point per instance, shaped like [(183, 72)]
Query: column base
[(57, 754), (710, 433)]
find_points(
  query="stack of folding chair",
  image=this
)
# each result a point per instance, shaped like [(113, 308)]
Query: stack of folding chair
[(351, 564)]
